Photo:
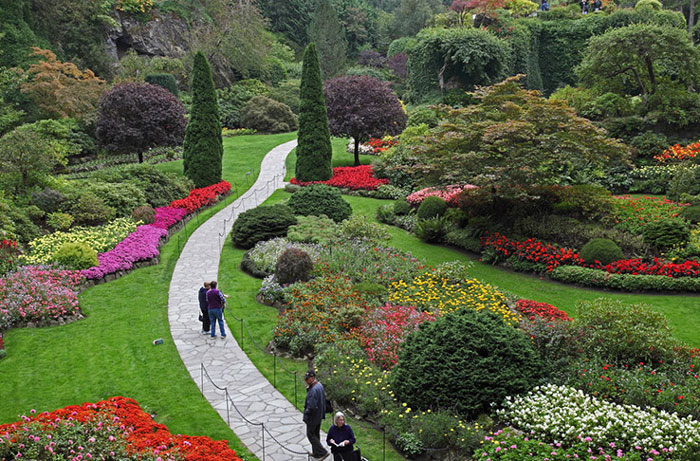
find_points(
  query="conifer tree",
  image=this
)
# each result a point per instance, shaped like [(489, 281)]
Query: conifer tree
[(203, 149), (314, 151), (327, 32)]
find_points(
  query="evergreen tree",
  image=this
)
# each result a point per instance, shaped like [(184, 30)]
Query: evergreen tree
[(328, 34), (203, 150), (314, 150)]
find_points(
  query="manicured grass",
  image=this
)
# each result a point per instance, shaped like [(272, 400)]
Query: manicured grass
[(682, 311), (110, 352), (340, 157), (259, 323)]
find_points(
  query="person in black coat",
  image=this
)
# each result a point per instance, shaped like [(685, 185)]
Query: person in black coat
[(341, 439), (314, 412), (203, 307)]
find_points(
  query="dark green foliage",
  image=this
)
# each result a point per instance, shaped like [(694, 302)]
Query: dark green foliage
[(261, 223), (431, 207), (314, 151), (456, 217), (684, 181), (123, 197), (583, 201), (287, 92), (464, 361), (233, 99), (268, 116), (290, 17), (647, 145), (145, 214), (293, 265), (90, 210), (386, 215), (203, 149), (19, 227), (76, 256), (691, 213), (431, 230), (16, 36), (464, 238), (602, 250), (319, 199), (167, 81), (159, 188), (402, 207), (49, 200), (666, 233), (328, 35)]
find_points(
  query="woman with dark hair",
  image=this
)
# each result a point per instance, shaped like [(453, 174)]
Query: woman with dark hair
[(341, 439)]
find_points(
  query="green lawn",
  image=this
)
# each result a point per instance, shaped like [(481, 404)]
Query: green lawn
[(110, 352)]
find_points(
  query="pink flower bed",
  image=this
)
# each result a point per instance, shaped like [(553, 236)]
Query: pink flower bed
[(166, 217), (447, 193), (349, 177)]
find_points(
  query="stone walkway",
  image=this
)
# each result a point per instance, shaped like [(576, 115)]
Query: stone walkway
[(226, 364)]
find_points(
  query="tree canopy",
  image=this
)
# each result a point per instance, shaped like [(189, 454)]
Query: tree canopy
[(327, 33)]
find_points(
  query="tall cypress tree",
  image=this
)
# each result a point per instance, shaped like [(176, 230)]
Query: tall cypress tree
[(203, 149), (314, 151), (327, 32)]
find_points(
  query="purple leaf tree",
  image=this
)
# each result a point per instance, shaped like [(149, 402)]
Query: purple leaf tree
[(362, 107)]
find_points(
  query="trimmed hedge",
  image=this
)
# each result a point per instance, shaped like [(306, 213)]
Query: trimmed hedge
[(604, 251), (319, 199), (627, 282), (261, 223)]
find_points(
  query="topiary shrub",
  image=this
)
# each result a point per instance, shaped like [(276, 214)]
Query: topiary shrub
[(653, 4), (474, 356), (261, 223), (91, 210), (402, 207), (691, 213), (431, 230), (666, 233), (294, 265), (319, 199), (312, 229), (269, 116), (604, 251), (432, 207), (49, 200), (59, 221), (145, 214), (76, 256)]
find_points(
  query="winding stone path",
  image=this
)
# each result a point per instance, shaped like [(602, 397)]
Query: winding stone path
[(227, 365)]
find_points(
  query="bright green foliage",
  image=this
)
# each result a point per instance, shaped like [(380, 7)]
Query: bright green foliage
[(123, 197), (359, 227), (431, 207), (328, 35), (261, 223), (474, 356), (294, 265), (314, 151), (59, 221), (319, 199), (167, 81), (666, 233), (203, 149), (76, 256), (604, 251), (16, 36), (653, 4), (312, 229), (462, 56)]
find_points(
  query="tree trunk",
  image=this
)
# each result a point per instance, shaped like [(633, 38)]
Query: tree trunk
[(652, 76), (140, 157), (357, 151)]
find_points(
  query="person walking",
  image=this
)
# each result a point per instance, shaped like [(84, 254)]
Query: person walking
[(204, 308), (314, 412), (216, 302), (341, 439)]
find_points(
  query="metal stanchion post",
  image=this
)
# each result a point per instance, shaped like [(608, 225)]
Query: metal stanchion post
[(228, 415), (241, 333), (263, 441), (201, 373), (295, 389), (274, 369)]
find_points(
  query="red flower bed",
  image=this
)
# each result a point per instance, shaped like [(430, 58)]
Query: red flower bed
[(532, 309), (380, 145), (202, 197), (552, 256), (349, 177), (678, 152), (112, 422)]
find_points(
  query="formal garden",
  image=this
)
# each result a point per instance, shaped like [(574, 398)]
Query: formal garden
[(487, 246)]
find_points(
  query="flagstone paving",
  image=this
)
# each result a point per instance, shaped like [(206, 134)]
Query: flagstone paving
[(253, 401)]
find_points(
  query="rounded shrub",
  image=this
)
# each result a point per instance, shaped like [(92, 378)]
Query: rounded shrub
[(59, 221), (269, 116), (49, 200), (91, 210), (293, 265), (402, 207), (312, 229), (145, 214), (432, 207), (691, 213), (653, 4), (666, 233), (166, 81), (261, 223), (319, 199), (123, 197), (474, 356), (76, 256), (604, 251)]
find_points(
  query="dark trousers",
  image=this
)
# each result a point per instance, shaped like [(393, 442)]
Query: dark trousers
[(313, 433), (206, 323)]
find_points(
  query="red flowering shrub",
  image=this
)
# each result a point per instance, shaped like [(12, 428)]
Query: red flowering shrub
[(678, 153), (349, 177), (113, 429), (532, 309), (8, 256), (380, 145), (202, 197)]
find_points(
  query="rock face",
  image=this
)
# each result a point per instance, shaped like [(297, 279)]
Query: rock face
[(163, 35)]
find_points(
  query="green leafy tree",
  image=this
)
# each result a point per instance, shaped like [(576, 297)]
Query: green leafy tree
[(411, 16), (328, 34), (290, 18), (640, 58), (314, 151), (203, 149)]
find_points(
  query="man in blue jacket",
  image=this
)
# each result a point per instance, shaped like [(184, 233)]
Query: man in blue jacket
[(314, 412)]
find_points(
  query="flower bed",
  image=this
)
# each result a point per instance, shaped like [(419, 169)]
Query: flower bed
[(202, 197), (533, 309), (100, 238), (39, 295), (380, 145), (349, 177), (116, 428), (678, 153), (633, 213), (447, 193)]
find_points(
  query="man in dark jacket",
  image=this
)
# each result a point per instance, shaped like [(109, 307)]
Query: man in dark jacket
[(314, 412), (204, 309)]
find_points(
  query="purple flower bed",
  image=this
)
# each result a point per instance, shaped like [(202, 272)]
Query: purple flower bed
[(167, 216)]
